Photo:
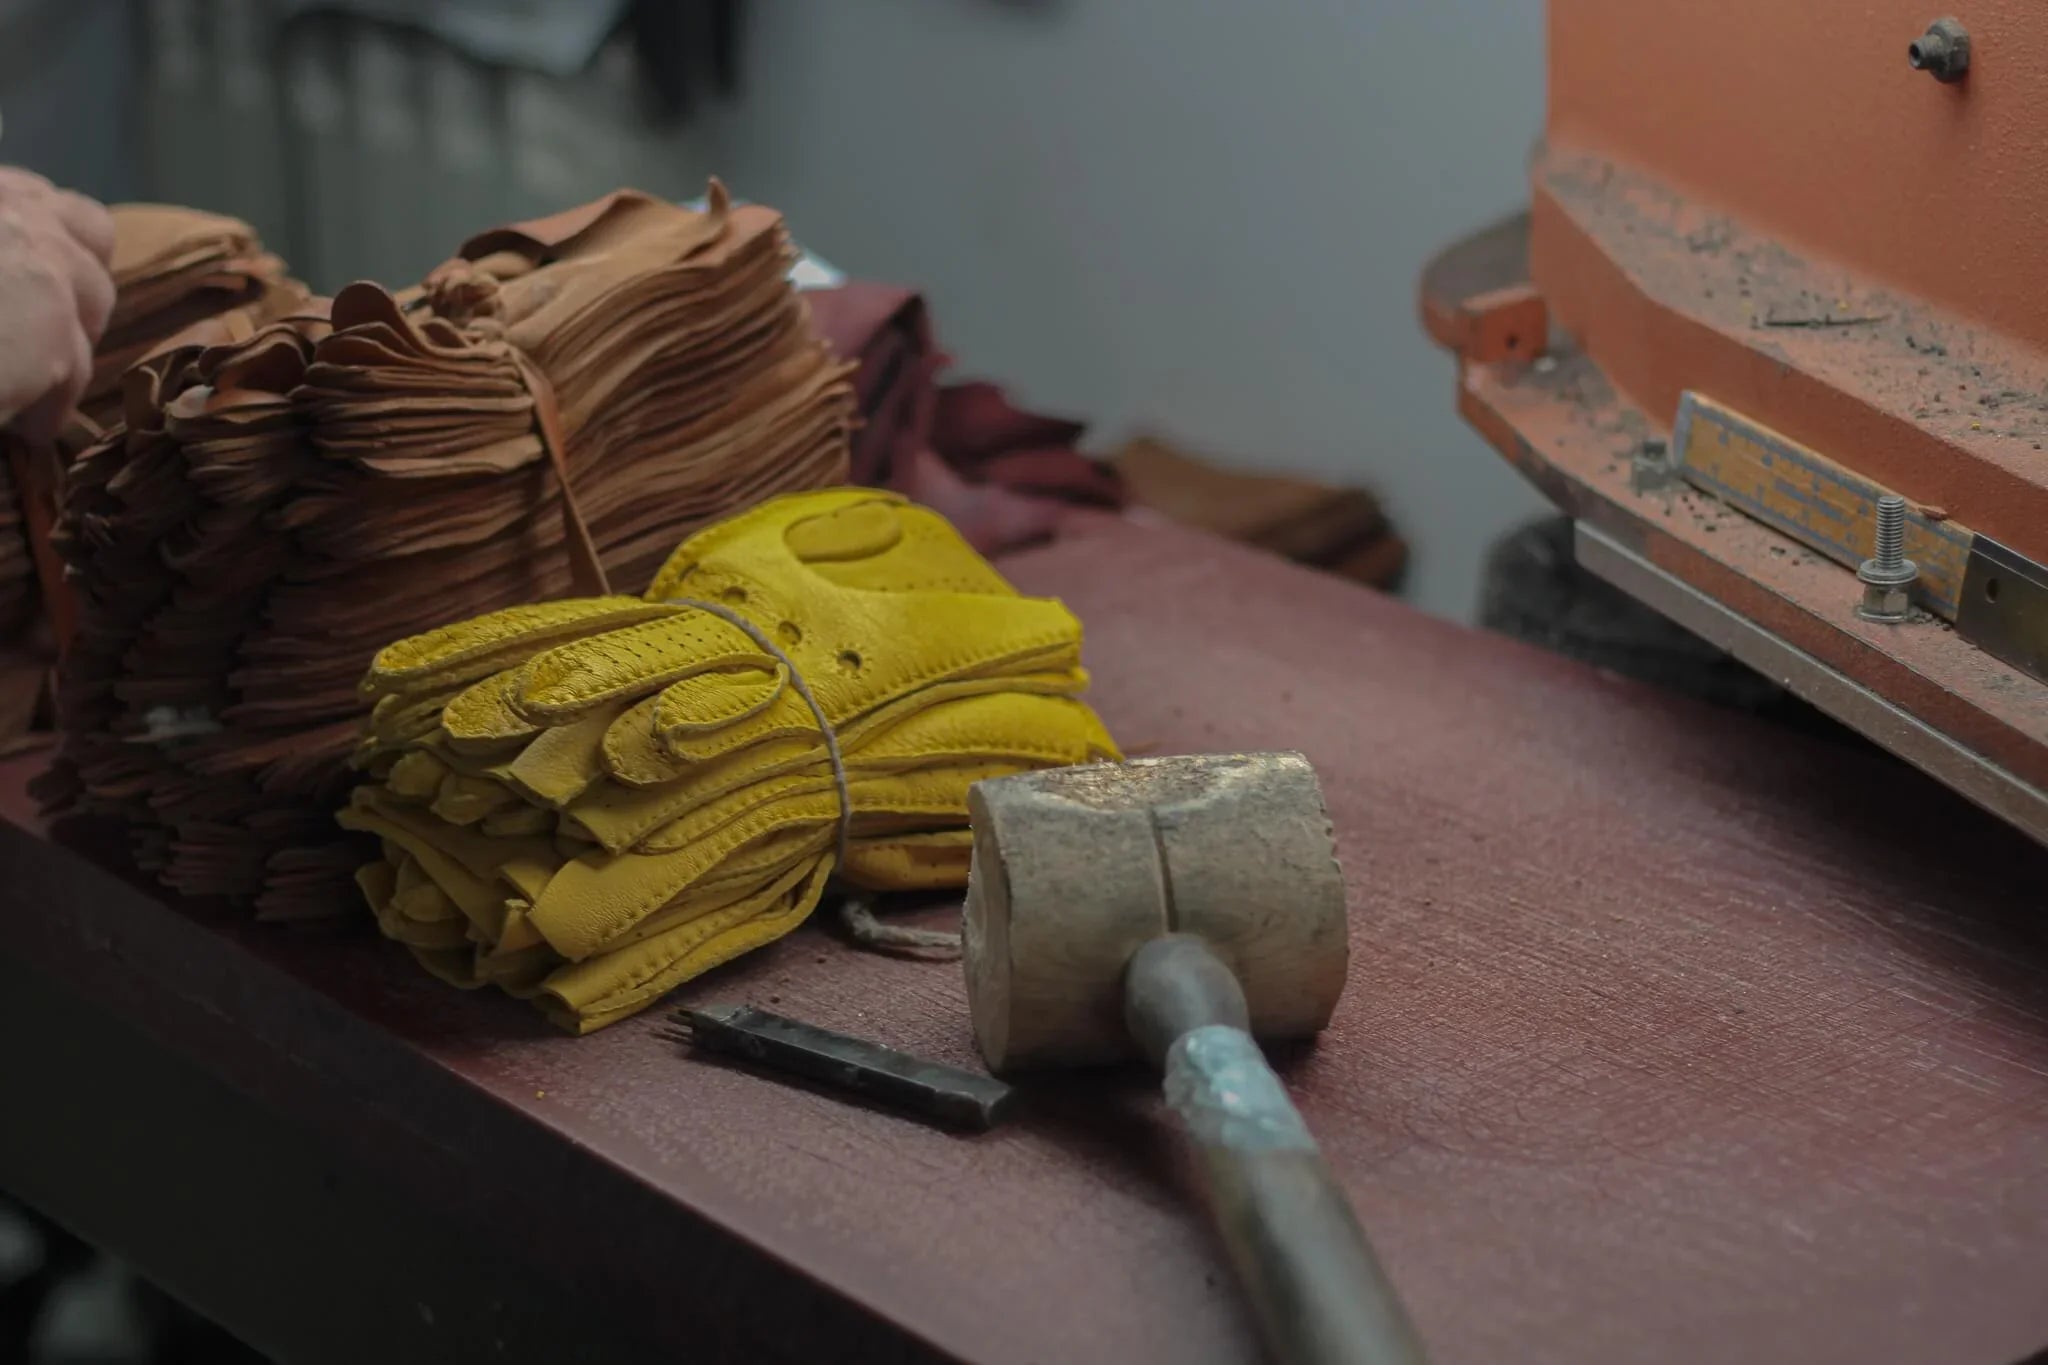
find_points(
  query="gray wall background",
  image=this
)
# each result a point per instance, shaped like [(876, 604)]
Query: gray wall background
[(1202, 218)]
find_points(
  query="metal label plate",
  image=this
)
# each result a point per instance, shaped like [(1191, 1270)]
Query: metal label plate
[(1824, 506)]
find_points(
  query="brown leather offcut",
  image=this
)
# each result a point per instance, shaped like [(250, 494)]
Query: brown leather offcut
[(275, 508), (1342, 531), (1004, 477), (180, 274)]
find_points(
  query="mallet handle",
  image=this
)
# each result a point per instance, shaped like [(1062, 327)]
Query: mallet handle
[(1318, 1289), (1314, 1283)]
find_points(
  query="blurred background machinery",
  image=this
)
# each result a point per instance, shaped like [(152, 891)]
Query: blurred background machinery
[(1776, 348)]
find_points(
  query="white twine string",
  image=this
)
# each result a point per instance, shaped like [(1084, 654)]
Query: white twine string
[(803, 689), (856, 913)]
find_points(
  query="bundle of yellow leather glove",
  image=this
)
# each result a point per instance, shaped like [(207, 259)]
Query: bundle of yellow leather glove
[(590, 801)]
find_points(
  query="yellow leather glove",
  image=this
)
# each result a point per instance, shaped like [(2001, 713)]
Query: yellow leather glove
[(591, 801)]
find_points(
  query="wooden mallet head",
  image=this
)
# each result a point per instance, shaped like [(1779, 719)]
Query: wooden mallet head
[(1075, 869)]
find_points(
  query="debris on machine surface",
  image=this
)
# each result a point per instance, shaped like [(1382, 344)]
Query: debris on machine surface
[(1797, 406)]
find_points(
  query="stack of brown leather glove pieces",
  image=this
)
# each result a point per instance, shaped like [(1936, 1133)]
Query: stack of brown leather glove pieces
[(179, 274), (1001, 475), (277, 508), (178, 270), (1342, 531)]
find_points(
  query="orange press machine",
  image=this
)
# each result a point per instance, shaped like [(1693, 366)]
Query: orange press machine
[(1774, 333)]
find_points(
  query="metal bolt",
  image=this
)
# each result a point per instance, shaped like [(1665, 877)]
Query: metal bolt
[(1651, 468), (1887, 575), (1943, 52)]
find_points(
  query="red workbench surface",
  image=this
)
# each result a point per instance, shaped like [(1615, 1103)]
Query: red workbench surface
[(1669, 1036)]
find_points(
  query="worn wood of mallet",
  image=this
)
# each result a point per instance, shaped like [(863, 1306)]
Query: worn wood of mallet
[(1175, 907)]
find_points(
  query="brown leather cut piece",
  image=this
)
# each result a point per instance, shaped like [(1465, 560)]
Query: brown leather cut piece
[(1003, 476), (180, 276), (1340, 530)]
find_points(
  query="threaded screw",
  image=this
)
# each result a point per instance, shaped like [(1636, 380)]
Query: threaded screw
[(1891, 531), (1887, 575)]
